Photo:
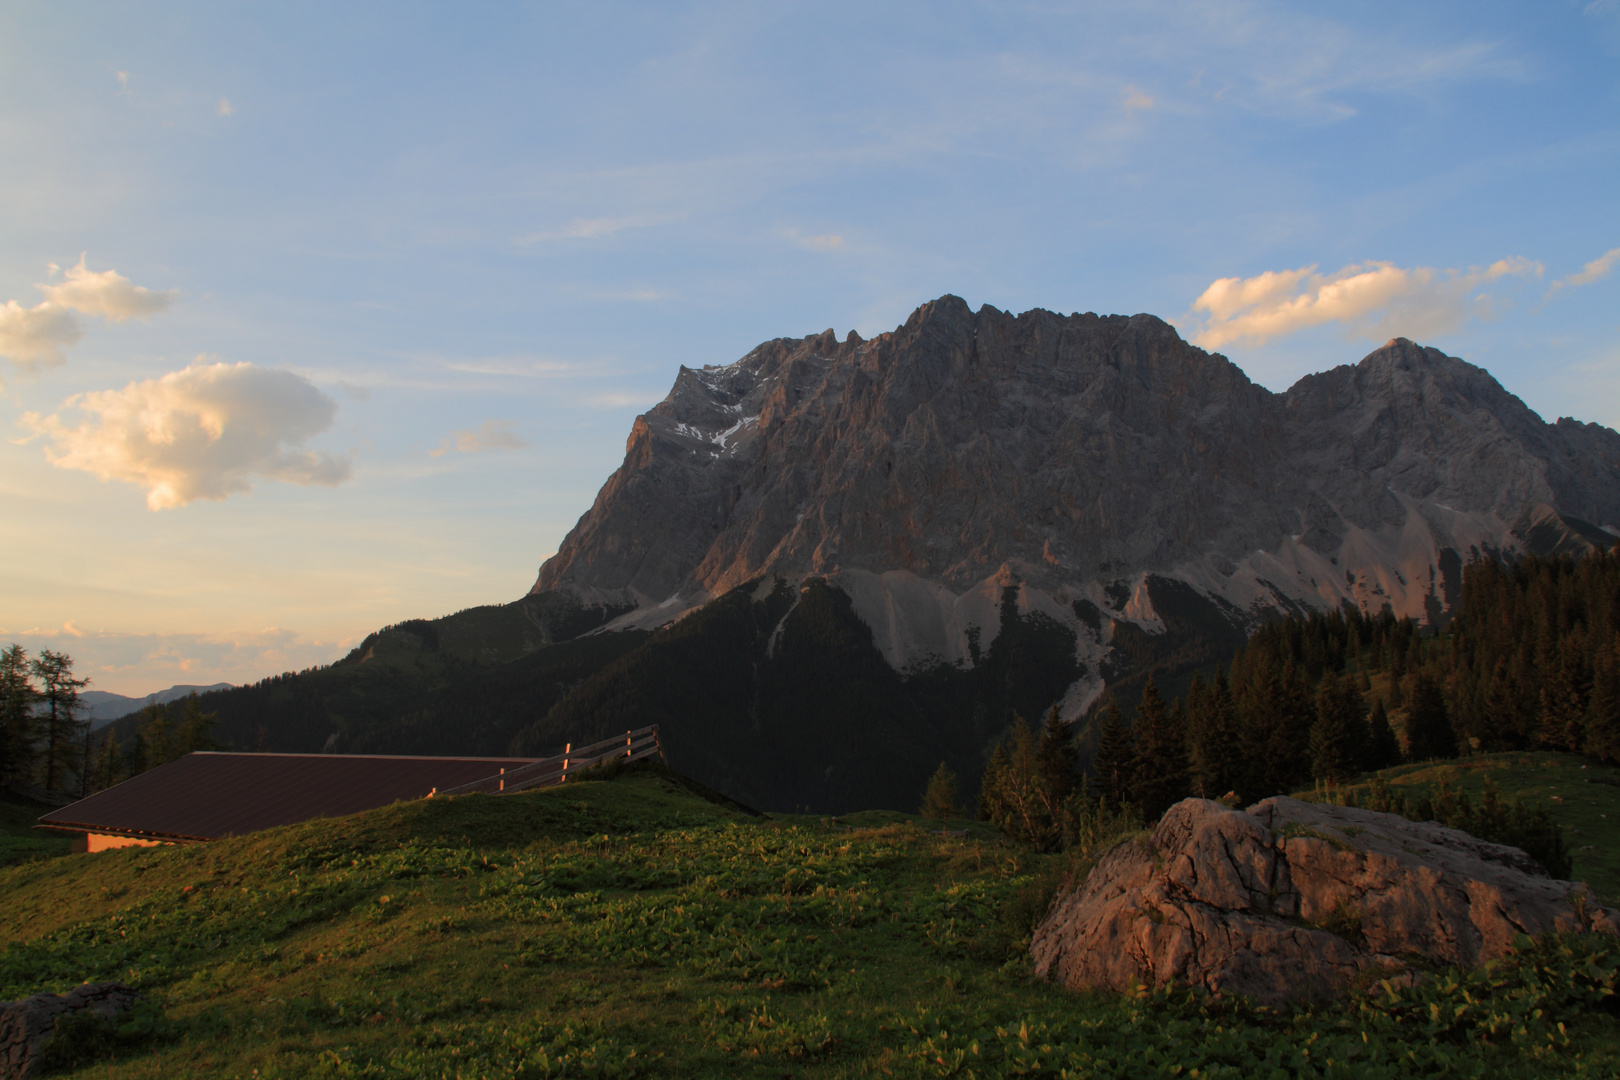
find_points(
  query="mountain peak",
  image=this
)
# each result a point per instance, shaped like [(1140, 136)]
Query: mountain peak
[(1089, 451)]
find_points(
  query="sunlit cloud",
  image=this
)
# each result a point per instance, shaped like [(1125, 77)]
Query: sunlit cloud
[(204, 432), (1372, 299), (40, 336), (823, 243), (106, 293), (490, 435), (1135, 99), (224, 107), (1596, 269)]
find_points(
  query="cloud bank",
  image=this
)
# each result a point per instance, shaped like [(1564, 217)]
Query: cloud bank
[(490, 435), (40, 335), (137, 664), (201, 433), (1372, 299)]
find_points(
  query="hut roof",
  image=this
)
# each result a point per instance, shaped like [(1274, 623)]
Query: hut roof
[(206, 795)]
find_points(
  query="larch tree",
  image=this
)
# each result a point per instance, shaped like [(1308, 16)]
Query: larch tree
[(939, 801), (59, 690), (18, 725)]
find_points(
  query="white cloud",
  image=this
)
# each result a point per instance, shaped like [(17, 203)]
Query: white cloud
[(1373, 299), (490, 435), (40, 335), (1135, 99), (201, 433), (37, 336), (824, 243), (224, 107), (1592, 271), (106, 293)]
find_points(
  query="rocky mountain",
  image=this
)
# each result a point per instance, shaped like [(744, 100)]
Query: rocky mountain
[(831, 565), (1131, 487)]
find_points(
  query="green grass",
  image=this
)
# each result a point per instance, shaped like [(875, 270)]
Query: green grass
[(631, 926), (1582, 795), (20, 841)]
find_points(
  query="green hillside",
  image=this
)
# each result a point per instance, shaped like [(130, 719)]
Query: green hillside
[(633, 926), (1582, 794)]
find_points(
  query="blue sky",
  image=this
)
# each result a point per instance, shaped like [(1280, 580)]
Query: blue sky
[(370, 294)]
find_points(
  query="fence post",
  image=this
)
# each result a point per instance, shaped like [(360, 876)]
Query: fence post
[(503, 778)]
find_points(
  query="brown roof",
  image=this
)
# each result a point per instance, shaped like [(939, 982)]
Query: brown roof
[(203, 796)]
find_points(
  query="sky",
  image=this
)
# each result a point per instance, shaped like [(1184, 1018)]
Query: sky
[(315, 318)]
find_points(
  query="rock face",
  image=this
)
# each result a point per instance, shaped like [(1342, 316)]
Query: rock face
[(1098, 463), (1292, 900), (26, 1026)]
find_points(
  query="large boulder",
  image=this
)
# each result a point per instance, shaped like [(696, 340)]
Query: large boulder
[(27, 1025), (1291, 900)]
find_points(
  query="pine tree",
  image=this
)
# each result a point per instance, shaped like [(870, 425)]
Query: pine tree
[(1021, 806), (59, 690), (1160, 769), (1058, 760), (197, 728), (1337, 745), (1563, 695), (1383, 749), (1603, 707), (990, 784), (1428, 725), (939, 801), (1212, 738), (108, 767), (1504, 724), (153, 744), (1113, 758), (1276, 717), (18, 727)]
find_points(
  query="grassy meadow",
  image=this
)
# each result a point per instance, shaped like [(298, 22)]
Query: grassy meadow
[(631, 926)]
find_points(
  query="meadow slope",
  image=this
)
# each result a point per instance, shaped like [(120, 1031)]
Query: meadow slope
[(632, 926)]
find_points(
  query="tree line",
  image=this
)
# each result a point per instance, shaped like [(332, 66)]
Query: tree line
[(46, 744), (41, 735), (1531, 660)]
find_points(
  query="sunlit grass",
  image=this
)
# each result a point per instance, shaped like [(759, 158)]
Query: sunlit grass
[(632, 927)]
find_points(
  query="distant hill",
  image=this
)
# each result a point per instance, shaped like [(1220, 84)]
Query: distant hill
[(102, 707)]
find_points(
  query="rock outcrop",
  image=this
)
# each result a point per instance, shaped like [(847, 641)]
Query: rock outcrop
[(1293, 900), (1098, 463), (27, 1025)]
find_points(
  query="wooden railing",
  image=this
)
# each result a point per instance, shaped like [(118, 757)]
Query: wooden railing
[(631, 746)]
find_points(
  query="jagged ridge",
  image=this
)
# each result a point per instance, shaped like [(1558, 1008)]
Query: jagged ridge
[(1093, 461)]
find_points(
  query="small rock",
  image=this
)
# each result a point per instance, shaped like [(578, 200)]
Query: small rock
[(26, 1026), (1292, 900)]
